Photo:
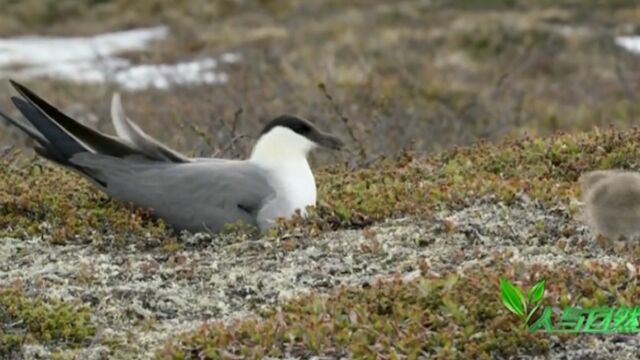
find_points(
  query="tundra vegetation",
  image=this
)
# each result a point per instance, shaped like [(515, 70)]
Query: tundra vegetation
[(444, 105)]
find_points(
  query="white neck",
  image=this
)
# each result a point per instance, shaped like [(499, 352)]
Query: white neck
[(281, 142), (283, 153)]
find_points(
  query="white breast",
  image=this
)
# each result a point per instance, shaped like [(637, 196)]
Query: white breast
[(298, 184), (283, 155), (295, 190)]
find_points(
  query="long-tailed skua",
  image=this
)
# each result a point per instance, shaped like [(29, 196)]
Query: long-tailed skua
[(187, 193)]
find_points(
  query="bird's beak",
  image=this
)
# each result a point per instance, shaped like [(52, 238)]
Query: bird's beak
[(329, 141)]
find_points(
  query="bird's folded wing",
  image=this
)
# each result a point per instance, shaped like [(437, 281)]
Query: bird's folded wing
[(192, 196)]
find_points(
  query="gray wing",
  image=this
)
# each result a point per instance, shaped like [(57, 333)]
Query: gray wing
[(193, 196), (130, 132)]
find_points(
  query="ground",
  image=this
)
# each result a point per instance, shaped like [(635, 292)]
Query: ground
[(415, 224)]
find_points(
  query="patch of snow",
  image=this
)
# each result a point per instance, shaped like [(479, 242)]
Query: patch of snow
[(41, 50), (629, 43), (94, 60), (230, 58), (163, 76)]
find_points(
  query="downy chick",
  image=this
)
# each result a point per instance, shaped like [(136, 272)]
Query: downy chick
[(612, 202)]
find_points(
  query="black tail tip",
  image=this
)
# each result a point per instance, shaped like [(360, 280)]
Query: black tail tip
[(16, 85)]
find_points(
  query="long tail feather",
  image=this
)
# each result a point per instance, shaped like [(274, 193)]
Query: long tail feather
[(60, 144), (129, 131), (91, 139)]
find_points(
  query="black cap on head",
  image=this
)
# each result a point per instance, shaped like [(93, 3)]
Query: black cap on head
[(304, 128), (294, 123)]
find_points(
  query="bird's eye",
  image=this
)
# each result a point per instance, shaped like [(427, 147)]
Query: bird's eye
[(303, 128)]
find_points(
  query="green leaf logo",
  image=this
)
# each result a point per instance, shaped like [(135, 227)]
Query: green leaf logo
[(535, 299), (513, 298), (536, 292)]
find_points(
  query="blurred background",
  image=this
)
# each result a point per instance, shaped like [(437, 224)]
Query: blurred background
[(205, 76)]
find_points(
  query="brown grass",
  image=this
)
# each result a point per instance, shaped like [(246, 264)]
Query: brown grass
[(404, 75)]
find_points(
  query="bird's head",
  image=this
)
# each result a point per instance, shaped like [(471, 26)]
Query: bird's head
[(291, 135)]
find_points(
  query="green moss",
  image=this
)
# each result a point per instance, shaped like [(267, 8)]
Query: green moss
[(449, 316), (49, 323)]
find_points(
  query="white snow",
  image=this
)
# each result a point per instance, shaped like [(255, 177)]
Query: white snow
[(163, 76), (94, 59), (629, 43)]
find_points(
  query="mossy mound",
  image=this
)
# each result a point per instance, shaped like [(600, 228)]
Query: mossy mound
[(55, 324), (545, 169), (45, 200), (38, 199)]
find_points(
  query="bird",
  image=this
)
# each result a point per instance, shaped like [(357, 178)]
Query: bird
[(612, 202), (193, 194)]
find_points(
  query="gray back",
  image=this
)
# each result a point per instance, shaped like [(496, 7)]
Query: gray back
[(203, 195)]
